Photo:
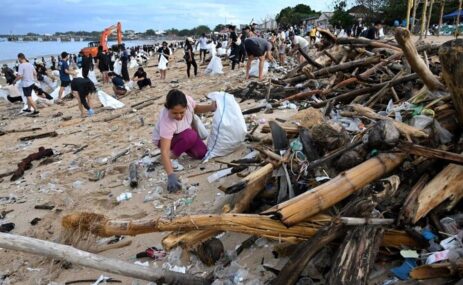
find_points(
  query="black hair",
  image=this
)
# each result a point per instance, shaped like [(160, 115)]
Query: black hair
[(187, 43), (164, 43), (140, 69), (175, 97), (21, 56), (112, 73)]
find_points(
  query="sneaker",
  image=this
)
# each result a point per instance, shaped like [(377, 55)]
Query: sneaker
[(27, 110), (176, 166), (35, 113)]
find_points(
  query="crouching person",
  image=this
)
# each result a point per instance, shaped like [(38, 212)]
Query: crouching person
[(118, 84), (81, 89), (174, 135), (141, 78)]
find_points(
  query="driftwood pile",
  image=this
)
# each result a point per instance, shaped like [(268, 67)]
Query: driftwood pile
[(369, 166)]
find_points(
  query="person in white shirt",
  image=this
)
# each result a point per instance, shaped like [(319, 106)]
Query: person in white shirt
[(28, 76), (281, 42), (202, 47), (299, 42)]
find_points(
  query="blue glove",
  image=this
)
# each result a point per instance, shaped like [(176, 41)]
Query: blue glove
[(90, 112), (173, 184)]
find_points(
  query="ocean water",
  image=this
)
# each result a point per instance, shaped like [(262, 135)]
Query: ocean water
[(9, 50)]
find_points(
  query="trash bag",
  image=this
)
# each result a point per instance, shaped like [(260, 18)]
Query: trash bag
[(221, 51), (118, 67), (55, 92), (214, 67), (92, 77), (163, 63), (254, 71), (109, 101), (228, 126), (198, 125), (133, 63)]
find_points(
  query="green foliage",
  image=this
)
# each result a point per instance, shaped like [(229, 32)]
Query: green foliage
[(150, 32), (341, 18), (202, 29), (219, 27), (294, 15)]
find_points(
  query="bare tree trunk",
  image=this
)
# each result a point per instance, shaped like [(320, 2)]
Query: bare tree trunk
[(415, 7), (409, 8), (429, 18), (423, 18), (73, 255), (457, 30), (441, 17)]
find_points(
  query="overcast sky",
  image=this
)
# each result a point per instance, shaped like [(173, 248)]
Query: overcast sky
[(49, 16)]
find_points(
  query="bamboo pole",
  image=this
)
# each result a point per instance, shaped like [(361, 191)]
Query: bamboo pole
[(76, 256), (326, 195), (423, 18), (441, 17), (429, 18), (409, 8)]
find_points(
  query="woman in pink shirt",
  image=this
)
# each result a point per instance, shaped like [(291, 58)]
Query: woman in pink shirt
[(174, 135)]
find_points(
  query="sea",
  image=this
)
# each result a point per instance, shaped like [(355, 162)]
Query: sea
[(33, 49)]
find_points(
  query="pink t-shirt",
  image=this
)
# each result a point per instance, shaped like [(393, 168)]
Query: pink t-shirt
[(167, 127)]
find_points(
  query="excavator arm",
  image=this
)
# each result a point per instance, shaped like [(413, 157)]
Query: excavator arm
[(108, 31)]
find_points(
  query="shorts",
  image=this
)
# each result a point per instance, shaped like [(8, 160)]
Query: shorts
[(120, 88), (28, 90), (253, 49), (203, 50), (282, 49), (65, 83)]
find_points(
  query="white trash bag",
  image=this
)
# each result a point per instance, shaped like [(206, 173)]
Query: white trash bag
[(162, 63), (215, 66), (118, 67), (228, 126), (109, 101), (55, 93), (198, 125), (133, 63), (254, 71)]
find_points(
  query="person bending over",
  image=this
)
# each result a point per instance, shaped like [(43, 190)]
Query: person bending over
[(174, 135), (81, 88), (118, 84), (260, 48)]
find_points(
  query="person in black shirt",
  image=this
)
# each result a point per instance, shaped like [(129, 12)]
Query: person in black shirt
[(118, 84), (373, 32), (103, 64), (87, 65), (164, 51), (234, 45), (190, 57), (141, 79), (81, 88), (9, 74), (124, 61)]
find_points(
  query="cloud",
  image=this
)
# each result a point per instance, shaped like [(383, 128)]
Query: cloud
[(49, 16)]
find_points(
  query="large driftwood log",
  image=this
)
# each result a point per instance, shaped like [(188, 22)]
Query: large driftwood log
[(326, 195), (366, 42), (409, 207), (451, 58), (431, 271), (445, 186), (431, 152), (345, 66), (76, 256), (416, 62)]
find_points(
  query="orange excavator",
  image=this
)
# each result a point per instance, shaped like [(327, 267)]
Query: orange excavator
[(92, 48)]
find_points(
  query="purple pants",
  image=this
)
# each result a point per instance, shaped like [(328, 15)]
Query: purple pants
[(188, 141)]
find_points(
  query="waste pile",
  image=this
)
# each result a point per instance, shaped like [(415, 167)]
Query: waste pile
[(361, 186)]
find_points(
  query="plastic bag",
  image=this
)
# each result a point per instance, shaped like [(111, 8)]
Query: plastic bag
[(198, 125), (109, 101), (162, 63), (118, 67), (55, 93), (133, 63), (221, 51), (92, 77), (254, 71), (444, 136), (421, 122), (228, 126), (215, 66)]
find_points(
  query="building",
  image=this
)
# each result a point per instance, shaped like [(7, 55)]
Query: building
[(324, 19)]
